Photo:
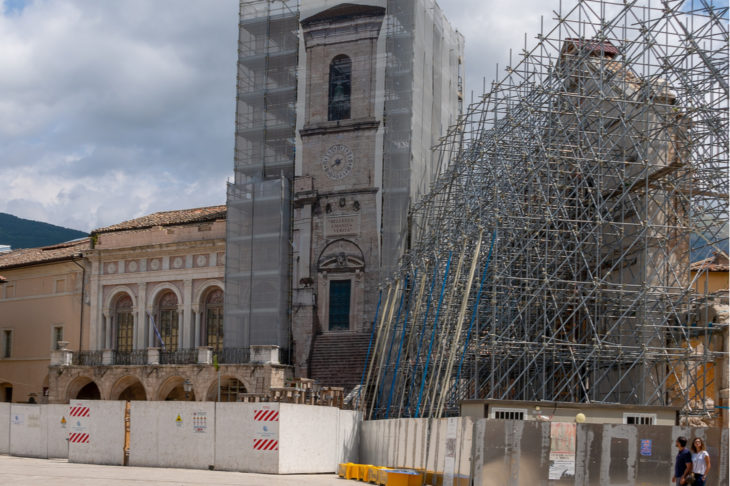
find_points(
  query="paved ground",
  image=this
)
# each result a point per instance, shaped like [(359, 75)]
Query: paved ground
[(50, 472)]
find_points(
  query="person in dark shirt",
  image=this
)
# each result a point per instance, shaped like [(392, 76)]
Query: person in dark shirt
[(683, 462)]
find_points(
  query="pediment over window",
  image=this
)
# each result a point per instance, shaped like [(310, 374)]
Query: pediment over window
[(341, 255)]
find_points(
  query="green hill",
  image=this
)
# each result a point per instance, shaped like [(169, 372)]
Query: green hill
[(25, 233)]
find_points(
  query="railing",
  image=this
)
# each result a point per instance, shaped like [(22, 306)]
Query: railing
[(137, 357), (233, 355), (180, 356), (87, 358)]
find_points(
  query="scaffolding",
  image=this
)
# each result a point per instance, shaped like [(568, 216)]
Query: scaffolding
[(258, 253), (551, 258)]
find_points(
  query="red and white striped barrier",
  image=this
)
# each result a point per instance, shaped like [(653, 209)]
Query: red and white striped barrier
[(266, 415), (79, 411), (78, 438), (265, 445)]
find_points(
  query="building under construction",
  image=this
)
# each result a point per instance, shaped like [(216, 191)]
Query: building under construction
[(338, 105), (552, 256)]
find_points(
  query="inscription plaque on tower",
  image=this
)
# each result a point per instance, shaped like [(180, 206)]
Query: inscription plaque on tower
[(342, 225)]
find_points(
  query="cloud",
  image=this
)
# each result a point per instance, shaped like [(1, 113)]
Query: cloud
[(109, 110)]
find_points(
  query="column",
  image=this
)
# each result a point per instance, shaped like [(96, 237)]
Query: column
[(188, 338), (180, 327), (108, 332), (197, 341), (141, 331)]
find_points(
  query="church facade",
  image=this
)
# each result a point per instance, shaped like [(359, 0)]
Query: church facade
[(338, 106)]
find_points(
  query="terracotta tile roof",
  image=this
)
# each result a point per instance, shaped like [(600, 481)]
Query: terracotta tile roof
[(591, 46), (167, 218), (43, 254), (718, 262)]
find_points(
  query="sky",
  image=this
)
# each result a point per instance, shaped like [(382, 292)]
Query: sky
[(110, 110)]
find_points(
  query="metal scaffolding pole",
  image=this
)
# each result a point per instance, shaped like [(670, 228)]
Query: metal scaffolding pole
[(599, 165)]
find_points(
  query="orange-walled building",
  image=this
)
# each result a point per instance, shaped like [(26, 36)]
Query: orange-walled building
[(40, 306)]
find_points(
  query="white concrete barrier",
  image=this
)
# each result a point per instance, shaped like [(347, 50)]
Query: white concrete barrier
[(247, 437), (348, 436), (96, 432), (57, 428), (308, 439), (4, 428), (172, 434), (437, 445), (28, 436)]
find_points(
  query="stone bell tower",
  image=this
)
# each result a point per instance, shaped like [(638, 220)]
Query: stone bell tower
[(337, 189)]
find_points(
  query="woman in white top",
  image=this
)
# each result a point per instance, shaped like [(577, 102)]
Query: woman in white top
[(700, 461)]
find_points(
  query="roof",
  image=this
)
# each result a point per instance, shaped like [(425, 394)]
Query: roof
[(44, 254), (344, 11), (168, 218), (718, 262), (591, 46)]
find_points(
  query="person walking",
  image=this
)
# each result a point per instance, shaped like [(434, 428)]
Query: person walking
[(683, 462), (700, 461)]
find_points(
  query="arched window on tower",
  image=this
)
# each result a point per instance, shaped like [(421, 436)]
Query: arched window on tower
[(125, 324), (167, 320), (214, 319), (339, 88)]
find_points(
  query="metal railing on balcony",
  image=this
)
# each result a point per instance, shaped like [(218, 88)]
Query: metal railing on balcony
[(87, 358), (233, 355), (130, 358), (180, 356)]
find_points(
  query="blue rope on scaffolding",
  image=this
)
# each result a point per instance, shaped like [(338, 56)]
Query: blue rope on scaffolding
[(400, 346), (474, 311), (370, 346), (433, 335), (390, 348), (421, 332)]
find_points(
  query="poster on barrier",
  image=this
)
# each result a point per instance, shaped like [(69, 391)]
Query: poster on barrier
[(562, 451)]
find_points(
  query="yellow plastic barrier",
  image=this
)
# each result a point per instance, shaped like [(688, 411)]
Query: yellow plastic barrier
[(362, 471), (372, 474), (342, 469), (352, 471), (403, 477)]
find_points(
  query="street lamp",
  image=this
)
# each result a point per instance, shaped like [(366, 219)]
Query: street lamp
[(187, 386)]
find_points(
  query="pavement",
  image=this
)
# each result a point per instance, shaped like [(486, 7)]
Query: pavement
[(49, 472)]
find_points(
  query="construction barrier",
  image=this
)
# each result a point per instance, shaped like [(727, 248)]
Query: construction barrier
[(533, 453), (4, 428), (442, 445), (28, 431), (57, 427), (247, 437), (314, 439), (172, 434), (96, 432)]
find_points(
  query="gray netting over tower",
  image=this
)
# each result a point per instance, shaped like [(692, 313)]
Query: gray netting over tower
[(259, 217), (552, 257)]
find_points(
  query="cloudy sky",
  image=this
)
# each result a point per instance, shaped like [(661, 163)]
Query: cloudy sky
[(110, 110)]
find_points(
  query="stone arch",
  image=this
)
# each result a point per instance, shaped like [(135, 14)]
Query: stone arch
[(128, 388), (116, 294), (83, 387), (172, 389), (160, 289), (341, 254), (230, 387), (203, 290)]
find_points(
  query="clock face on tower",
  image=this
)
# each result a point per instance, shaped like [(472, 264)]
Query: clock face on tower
[(337, 161)]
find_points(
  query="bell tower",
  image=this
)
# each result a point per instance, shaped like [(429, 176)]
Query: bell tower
[(336, 192)]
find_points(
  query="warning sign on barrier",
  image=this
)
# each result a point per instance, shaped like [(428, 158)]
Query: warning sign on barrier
[(266, 415), (265, 445), (200, 422)]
